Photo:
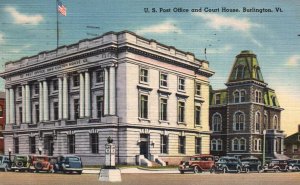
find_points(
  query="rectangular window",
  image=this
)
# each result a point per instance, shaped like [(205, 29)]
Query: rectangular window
[(32, 147), (55, 110), (243, 96), (20, 114), (163, 144), (71, 144), (163, 109), (144, 106), (37, 113), (94, 139), (197, 115), (99, 100), (16, 145), (181, 144), (181, 111), (198, 89), (144, 75), (181, 84), (197, 145), (76, 81), (295, 148), (218, 99), (163, 80), (100, 76), (36, 89), (55, 85), (76, 108), (20, 91)]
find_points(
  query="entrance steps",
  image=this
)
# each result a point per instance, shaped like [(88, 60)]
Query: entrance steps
[(155, 161)]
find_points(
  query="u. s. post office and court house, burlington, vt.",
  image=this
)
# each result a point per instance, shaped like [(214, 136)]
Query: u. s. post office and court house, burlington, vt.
[(150, 98)]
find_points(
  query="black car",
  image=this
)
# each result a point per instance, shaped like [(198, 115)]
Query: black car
[(276, 165), (254, 164), (68, 164), (294, 165), (231, 164)]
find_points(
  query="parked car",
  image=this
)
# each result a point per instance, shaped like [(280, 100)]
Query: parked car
[(5, 163), (254, 164), (40, 163), (68, 164), (197, 164), (294, 165), (276, 165), (21, 163), (231, 164)]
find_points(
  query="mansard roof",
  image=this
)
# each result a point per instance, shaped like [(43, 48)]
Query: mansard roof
[(245, 67), (270, 98), (223, 96)]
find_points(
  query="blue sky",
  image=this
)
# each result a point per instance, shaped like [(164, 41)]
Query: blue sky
[(28, 27)]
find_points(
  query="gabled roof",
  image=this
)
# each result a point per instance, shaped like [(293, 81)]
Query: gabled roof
[(245, 67), (292, 139)]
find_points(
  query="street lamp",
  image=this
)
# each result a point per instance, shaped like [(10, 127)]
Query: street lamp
[(40, 150), (264, 148), (9, 154)]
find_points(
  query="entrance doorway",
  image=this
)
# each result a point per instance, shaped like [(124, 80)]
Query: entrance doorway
[(144, 145), (48, 145)]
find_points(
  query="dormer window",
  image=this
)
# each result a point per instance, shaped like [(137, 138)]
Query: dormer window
[(218, 99), (239, 73), (274, 101)]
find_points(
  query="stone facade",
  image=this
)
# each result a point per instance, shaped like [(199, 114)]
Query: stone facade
[(244, 111), (152, 99)]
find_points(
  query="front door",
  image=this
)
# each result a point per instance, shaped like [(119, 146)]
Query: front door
[(49, 145), (144, 145)]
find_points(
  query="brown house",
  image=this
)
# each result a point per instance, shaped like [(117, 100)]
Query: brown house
[(244, 111), (292, 145)]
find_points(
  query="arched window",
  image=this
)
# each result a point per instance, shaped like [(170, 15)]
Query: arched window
[(239, 73), (265, 121), (239, 121), (216, 122), (242, 144), (275, 122), (236, 97), (258, 96), (243, 96), (257, 121), (235, 144), (1, 111)]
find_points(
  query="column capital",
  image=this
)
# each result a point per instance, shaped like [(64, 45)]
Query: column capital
[(8, 87), (25, 83), (83, 70), (41, 79)]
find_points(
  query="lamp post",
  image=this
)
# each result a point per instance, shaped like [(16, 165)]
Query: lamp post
[(40, 150), (264, 147), (9, 154)]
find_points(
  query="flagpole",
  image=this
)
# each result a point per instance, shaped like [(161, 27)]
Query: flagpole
[(57, 32)]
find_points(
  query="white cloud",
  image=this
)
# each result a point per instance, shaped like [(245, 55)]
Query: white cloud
[(20, 18), (218, 22), (221, 50), (18, 50), (293, 60), (2, 38), (165, 27)]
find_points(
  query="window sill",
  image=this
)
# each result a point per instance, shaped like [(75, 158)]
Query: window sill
[(164, 91), (181, 94), (181, 123), (144, 83), (164, 122), (144, 120), (198, 126)]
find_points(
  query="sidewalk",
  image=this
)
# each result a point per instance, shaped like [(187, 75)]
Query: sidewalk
[(133, 170)]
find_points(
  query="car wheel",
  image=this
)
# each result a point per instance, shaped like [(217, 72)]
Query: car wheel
[(38, 166), (212, 170), (182, 172), (196, 169)]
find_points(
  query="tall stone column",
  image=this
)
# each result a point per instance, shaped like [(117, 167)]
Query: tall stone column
[(106, 96), (60, 98), (112, 91), (41, 101), (46, 101), (81, 88), (87, 93), (23, 104), (65, 98), (28, 104), (12, 106), (7, 106)]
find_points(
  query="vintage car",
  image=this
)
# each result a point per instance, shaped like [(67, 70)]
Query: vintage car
[(21, 163), (276, 165), (254, 164), (40, 163), (230, 164), (68, 164), (197, 164), (5, 163), (294, 165)]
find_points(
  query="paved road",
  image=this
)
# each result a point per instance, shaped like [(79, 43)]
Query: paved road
[(15, 178)]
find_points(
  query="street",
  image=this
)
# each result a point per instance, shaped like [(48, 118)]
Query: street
[(15, 178)]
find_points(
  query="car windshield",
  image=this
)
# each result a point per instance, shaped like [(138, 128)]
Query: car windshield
[(73, 159)]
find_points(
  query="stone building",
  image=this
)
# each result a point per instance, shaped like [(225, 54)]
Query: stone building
[(241, 114), (152, 99), (2, 120)]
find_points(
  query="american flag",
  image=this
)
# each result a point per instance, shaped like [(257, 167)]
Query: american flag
[(61, 8)]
